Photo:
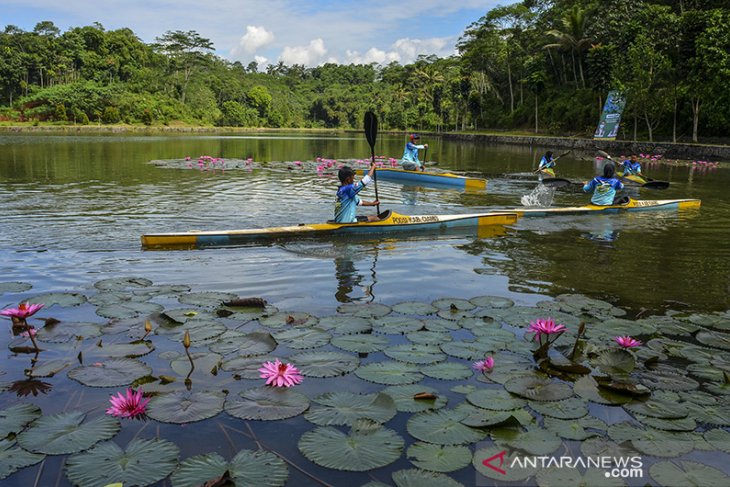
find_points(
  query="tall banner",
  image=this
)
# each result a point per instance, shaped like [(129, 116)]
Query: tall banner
[(611, 116)]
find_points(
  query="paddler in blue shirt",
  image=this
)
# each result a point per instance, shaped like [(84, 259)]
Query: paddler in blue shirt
[(547, 163), (604, 187), (631, 166), (410, 160), (347, 198)]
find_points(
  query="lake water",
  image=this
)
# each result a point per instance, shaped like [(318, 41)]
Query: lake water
[(74, 207)]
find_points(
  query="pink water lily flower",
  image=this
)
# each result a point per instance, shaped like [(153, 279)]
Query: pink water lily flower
[(23, 311), (278, 374), (485, 365), (130, 406), (627, 342), (545, 326)]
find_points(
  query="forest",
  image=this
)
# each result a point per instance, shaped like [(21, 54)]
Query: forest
[(534, 66)]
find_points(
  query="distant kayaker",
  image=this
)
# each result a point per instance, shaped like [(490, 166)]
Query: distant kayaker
[(410, 160), (547, 163), (347, 198), (631, 166), (604, 187)]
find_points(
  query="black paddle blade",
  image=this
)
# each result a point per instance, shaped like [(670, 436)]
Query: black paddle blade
[(656, 185), (556, 182), (371, 128)]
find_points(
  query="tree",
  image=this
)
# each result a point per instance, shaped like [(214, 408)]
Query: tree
[(572, 38), (187, 52)]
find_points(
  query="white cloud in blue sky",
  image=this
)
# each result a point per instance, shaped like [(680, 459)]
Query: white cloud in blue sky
[(292, 31)]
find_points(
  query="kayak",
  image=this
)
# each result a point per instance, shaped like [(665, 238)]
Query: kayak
[(390, 222), (632, 205), (442, 179), (644, 182)]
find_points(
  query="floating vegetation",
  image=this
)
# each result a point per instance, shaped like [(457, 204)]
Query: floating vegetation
[(377, 383)]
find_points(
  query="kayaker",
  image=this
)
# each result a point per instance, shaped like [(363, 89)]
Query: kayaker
[(547, 163), (347, 199), (604, 187), (631, 166), (410, 160)]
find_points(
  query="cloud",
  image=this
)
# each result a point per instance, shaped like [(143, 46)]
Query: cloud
[(372, 55), (310, 55), (261, 60), (404, 51), (255, 37)]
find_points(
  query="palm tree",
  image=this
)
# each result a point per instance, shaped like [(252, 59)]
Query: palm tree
[(572, 38)]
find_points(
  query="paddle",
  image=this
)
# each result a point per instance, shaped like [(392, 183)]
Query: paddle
[(649, 184), (425, 158), (556, 182), (371, 133), (561, 155)]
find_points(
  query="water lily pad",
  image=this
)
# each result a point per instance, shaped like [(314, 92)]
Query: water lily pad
[(405, 398), (204, 362), (414, 477), (47, 368), (572, 408), (682, 424), (110, 373), (201, 332), (267, 403), (428, 337), (248, 467), (119, 350), (481, 418), (203, 299), (714, 339), (616, 362), (711, 414), (183, 315), (64, 332), (414, 308), (686, 474), (587, 388), (284, 319), (130, 309), (325, 364), (345, 408), (144, 462), (657, 409), (536, 442), (439, 325), (492, 302), (495, 399), (447, 371), (714, 372), (13, 458), (454, 314), (719, 438), (122, 283), (417, 354), (64, 433), (456, 304), (497, 463), (248, 367), (361, 343), (468, 350), (389, 373), (345, 325), (574, 429), (536, 389), (14, 418), (62, 299), (670, 382), (364, 448), (367, 310), (396, 325), (15, 287), (185, 406), (246, 345), (302, 338), (443, 427), (652, 442)]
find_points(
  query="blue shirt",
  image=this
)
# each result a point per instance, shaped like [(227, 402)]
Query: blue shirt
[(545, 163), (348, 200), (410, 153), (631, 167), (604, 190)]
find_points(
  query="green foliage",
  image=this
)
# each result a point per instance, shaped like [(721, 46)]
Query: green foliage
[(542, 65)]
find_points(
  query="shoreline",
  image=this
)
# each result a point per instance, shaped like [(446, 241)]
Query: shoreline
[(678, 150)]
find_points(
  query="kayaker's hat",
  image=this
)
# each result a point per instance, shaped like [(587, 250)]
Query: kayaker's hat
[(415, 136)]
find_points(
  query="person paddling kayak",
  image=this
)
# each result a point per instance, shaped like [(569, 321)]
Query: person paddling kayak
[(410, 160), (347, 199), (631, 166), (547, 163), (604, 187)]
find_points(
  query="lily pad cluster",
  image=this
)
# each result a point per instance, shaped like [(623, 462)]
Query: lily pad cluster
[(384, 385)]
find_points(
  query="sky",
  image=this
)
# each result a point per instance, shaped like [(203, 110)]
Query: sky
[(309, 32)]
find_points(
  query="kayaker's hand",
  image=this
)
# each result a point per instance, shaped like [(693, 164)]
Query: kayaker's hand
[(425, 145), (375, 203)]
